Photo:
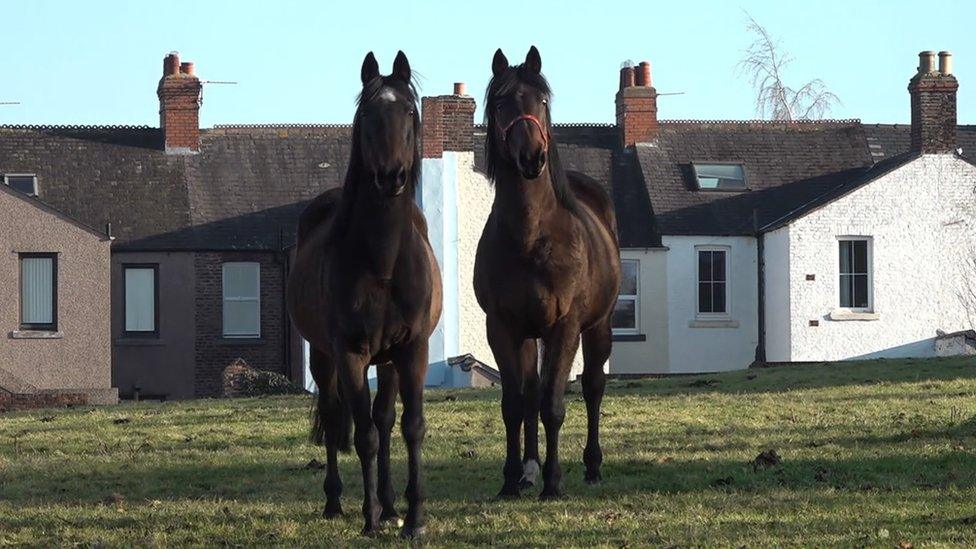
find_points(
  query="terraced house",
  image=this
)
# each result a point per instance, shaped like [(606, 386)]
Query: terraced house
[(742, 241)]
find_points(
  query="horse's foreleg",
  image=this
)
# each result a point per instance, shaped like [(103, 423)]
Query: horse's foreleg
[(597, 342), (561, 344), (529, 359), (412, 366), (352, 375), (384, 416), (504, 347)]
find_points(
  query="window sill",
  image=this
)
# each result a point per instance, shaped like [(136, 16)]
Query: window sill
[(243, 341), (138, 342), (713, 323), (629, 337), (35, 334), (841, 315)]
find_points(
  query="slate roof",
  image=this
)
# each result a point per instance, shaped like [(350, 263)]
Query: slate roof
[(243, 191), (786, 165)]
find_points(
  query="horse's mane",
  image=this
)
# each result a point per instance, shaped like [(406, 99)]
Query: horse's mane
[(503, 85), (356, 171)]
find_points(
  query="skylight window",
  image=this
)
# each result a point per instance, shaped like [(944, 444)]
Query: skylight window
[(25, 183), (720, 176)]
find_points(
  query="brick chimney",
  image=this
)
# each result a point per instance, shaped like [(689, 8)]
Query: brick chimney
[(636, 105), (448, 123), (179, 106), (933, 93)]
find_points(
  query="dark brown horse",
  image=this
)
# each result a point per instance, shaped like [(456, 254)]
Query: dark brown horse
[(365, 289), (548, 267)]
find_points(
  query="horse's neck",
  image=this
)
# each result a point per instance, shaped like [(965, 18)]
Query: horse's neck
[(525, 206), (376, 232)]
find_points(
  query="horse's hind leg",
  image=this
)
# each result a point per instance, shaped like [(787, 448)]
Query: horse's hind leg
[(384, 416), (412, 366), (352, 376), (331, 427), (597, 342)]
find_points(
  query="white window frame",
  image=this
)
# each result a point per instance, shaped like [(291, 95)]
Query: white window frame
[(728, 283), (226, 298), (628, 297), (7, 176), (870, 253)]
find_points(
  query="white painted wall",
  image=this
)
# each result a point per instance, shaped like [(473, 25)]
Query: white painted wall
[(921, 220), (692, 347), (651, 355), (475, 196), (776, 254)]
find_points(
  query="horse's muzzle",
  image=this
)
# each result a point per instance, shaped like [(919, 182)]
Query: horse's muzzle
[(391, 183), (531, 165)]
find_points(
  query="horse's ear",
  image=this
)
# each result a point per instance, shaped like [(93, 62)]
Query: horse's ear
[(533, 61), (500, 63), (401, 67), (370, 68)]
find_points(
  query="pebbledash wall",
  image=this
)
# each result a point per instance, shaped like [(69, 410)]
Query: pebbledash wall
[(920, 222), (77, 356)]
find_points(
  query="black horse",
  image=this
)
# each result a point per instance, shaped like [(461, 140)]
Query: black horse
[(548, 266), (365, 289)]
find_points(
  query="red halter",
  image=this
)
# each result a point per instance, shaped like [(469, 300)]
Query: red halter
[(534, 120)]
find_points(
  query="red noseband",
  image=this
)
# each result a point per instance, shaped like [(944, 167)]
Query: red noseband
[(534, 120)]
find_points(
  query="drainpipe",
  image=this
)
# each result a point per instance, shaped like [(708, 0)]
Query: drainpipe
[(761, 279)]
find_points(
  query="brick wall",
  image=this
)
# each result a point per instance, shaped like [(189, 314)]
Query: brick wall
[(10, 402), (448, 124), (213, 351)]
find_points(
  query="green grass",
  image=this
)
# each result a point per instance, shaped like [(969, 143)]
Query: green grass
[(874, 453)]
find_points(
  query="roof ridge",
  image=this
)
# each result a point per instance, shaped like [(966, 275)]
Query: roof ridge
[(76, 127), (826, 121), (277, 126)]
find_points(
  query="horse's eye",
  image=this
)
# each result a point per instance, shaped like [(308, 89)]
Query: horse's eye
[(498, 106), (545, 101), (410, 112)]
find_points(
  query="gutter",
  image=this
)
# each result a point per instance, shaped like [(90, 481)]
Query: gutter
[(761, 295)]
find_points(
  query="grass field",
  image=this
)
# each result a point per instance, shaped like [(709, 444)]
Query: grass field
[(877, 453)]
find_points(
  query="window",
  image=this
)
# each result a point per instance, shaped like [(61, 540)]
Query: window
[(141, 313), (39, 292), (713, 296), (720, 176), (242, 299), (25, 183), (855, 273), (626, 312)]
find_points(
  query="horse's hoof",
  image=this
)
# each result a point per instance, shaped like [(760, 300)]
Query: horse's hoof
[(412, 532), (530, 471), (593, 478), (370, 531), (331, 512), (550, 494), (391, 518), (509, 493)]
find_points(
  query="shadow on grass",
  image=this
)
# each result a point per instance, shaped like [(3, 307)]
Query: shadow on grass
[(478, 479)]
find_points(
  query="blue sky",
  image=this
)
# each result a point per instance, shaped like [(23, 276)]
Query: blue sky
[(98, 62)]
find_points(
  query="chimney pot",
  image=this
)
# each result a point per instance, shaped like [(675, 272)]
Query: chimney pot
[(926, 62), (187, 68), (460, 88), (643, 74), (945, 63), (626, 77), (171, 63)]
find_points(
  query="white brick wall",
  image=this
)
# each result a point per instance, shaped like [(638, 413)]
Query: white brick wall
[(921, 219)]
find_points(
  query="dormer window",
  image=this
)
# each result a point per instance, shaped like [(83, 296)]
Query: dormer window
[(719, 176), (25, 183)]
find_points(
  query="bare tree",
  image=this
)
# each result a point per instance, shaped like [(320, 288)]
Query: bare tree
[(765, 62)]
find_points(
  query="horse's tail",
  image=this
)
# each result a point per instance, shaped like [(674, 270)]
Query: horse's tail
[(331, 415)]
